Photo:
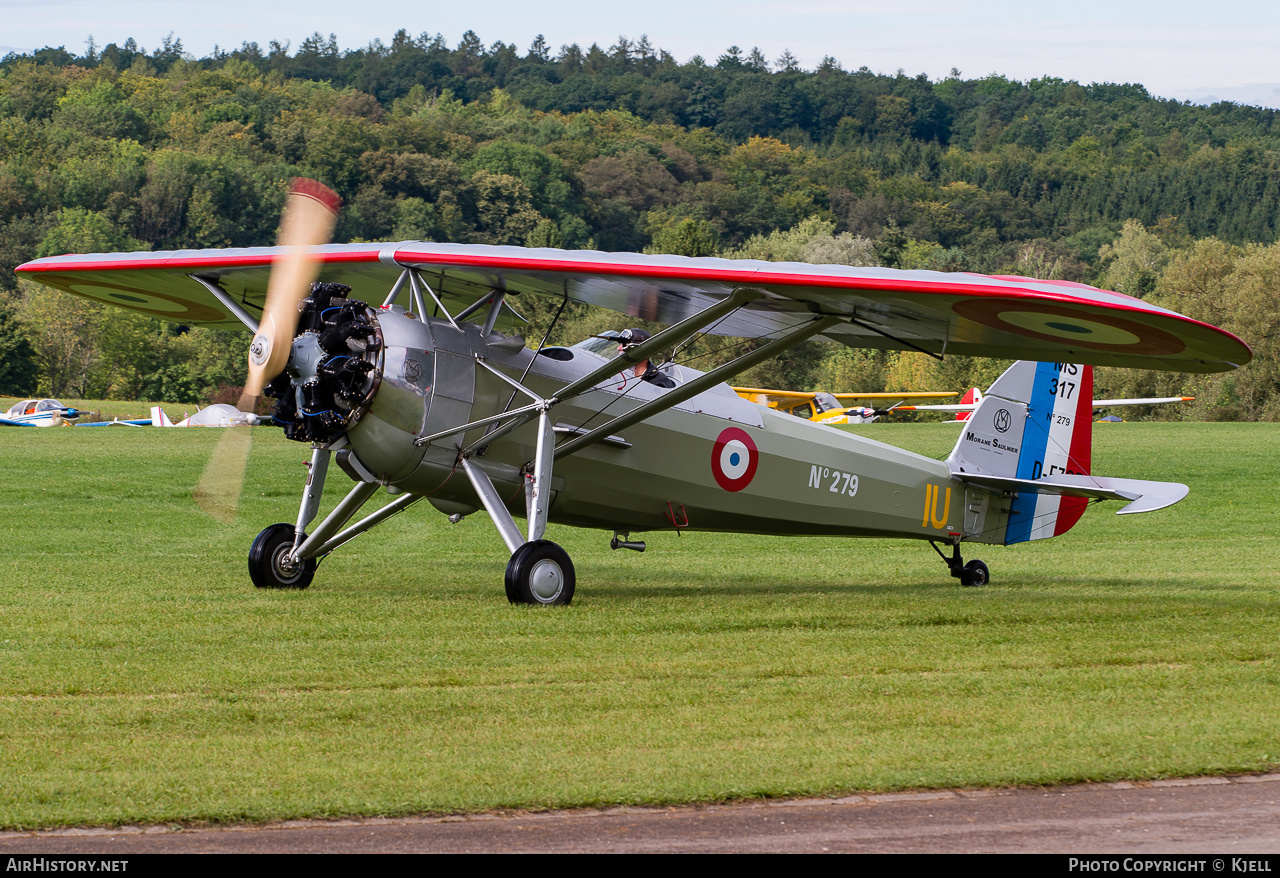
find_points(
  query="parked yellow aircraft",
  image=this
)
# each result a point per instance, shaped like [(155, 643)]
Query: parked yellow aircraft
[(826, 408)]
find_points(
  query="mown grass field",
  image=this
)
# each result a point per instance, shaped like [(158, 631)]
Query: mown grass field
[(145, 679)]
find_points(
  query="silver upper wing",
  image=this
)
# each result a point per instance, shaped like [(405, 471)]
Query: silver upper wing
[(938, 312)]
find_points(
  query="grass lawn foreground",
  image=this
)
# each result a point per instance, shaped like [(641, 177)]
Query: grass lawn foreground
[(146, 680)]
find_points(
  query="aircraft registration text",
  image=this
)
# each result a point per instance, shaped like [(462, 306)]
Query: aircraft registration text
[(840, 482)]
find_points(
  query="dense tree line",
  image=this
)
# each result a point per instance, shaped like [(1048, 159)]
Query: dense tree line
[(618, 148)]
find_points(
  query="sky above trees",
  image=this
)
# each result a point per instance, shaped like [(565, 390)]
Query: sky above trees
[(1177, 48)]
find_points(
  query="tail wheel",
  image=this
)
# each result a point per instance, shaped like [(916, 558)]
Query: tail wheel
[(540, 572), (269, 564), (975, 573)]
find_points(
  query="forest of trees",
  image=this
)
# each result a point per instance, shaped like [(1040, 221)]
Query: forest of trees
[(624, 148)]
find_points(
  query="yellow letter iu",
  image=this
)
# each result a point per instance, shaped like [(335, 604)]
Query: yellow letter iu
[(932, 493)]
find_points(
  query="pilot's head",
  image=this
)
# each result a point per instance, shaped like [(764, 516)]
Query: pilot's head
[(629, 337)]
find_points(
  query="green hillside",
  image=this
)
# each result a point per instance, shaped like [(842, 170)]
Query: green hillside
[(624, 148)]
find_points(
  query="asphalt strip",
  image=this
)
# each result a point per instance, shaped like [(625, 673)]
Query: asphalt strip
[(1233, 816)]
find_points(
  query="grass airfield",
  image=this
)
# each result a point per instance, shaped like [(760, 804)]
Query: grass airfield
[(146, 680)]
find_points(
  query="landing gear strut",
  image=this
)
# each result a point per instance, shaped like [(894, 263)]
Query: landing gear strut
[(973, 573)]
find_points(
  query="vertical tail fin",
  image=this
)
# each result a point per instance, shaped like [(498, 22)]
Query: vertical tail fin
[(159, 418), (1036, 420), (974, 396)]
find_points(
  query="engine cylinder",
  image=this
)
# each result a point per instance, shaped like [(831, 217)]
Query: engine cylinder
[(334, 365)]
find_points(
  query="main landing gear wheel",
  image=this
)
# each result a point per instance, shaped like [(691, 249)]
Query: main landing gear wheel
[(269, 565), (540, 572), (975, 573)]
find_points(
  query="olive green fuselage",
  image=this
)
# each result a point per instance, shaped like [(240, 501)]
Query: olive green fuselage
[(715, 462)]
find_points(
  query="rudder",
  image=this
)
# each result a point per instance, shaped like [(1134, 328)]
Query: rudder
[(1035, 421)]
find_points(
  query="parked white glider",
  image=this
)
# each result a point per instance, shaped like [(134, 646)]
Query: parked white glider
[(217, 415)]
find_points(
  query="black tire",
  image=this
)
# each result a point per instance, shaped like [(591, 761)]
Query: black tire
[(266, 560), (540, 573), (975, 573)]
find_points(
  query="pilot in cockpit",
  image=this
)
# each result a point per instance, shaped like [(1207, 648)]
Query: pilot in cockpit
[(644, 370), (604, 343)]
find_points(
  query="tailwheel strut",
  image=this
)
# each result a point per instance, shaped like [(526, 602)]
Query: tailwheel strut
[(973, 573)]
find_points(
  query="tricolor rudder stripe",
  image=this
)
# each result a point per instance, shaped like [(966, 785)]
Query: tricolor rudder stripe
[(1058, 438), (1035, 422)]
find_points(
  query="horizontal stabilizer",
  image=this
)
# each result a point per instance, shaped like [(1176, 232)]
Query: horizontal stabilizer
[(1143, 496)]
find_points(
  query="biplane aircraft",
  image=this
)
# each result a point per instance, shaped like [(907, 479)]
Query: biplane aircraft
[(964, 408), (220, 414), (827, 408), (397, 364)]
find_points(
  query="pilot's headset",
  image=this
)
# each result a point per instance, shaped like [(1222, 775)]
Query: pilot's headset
[(633, 336), (627, 338)]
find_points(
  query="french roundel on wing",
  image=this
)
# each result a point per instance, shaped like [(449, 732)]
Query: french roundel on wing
[(150, 302), (734, 459), (1086, 328)]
